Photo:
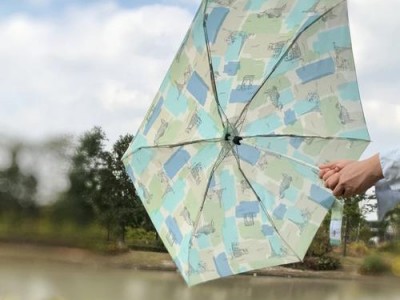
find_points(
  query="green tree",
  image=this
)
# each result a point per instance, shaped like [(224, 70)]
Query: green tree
[(353, 224), (140, 218), (320, 245), (116, 205), (85, 179), (17, 190), (353, 220)]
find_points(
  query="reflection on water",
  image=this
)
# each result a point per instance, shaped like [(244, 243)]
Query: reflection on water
[(38, 281)]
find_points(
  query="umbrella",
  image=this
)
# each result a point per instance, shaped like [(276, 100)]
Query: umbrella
[(259, 94)]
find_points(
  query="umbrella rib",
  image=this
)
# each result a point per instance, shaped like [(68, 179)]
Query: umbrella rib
[(175, 145), (289, 158), (221, 112), (264, 208), (299, 136), (281, 59), (220, 158), (215, 167), (303, 136)]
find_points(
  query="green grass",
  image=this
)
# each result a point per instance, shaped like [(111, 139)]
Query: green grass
[(93, 236), (47, 232)]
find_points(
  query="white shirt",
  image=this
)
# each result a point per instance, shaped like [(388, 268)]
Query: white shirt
[(388, 189)]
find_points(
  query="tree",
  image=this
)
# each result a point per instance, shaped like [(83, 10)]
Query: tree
[(17, 190), (116, 203), (127, 190), (353, 220), (320, 245), (84, 178)]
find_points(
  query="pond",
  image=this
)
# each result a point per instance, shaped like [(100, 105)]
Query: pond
[(29, 280)]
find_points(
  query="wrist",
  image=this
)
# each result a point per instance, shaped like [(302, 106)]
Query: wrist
[(375, 167)]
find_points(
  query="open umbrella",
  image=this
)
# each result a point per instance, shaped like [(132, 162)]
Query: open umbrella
[(259, 93)]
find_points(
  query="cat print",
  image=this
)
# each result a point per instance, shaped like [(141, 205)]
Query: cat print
[(272, 13), (285, 185), (205, 230)]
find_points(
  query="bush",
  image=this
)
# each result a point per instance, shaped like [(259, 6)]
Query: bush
[(140, 235), (358, 249), (322, 263), (374, 265), (392, 247), (396, 266), (140, 239)]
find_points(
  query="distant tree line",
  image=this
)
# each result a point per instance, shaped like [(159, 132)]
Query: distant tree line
[(101, 192), (99, 189), (17, 190)]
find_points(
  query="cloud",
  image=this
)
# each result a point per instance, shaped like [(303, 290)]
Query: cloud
[(97, 65), (67, 66), (374, 28), (101, 63), (384, 118)]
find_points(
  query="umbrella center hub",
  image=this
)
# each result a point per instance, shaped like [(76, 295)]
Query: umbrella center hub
[(233, 139)]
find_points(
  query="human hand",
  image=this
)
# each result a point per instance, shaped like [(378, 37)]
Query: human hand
[(349, 178), (331, 168)]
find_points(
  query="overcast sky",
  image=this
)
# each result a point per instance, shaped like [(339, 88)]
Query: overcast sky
[(69, 65)]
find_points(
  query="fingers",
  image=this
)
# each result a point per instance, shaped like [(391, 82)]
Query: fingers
[(323, 173), (328, 174), (339, 191), (332, 181), (327, 170), (339, 164), (347, 191), (329, 165), (331, 174)]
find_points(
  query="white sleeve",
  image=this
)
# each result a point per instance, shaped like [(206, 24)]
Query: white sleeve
[(390, 163), (387, 198)]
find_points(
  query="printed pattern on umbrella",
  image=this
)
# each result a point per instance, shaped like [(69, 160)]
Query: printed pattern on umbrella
[(225, 162)]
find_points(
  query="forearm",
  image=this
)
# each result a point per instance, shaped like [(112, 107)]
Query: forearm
[(374, 168)]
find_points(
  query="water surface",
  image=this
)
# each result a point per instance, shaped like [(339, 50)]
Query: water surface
[(27, 280)]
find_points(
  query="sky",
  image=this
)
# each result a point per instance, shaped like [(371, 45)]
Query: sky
[(69, 65)]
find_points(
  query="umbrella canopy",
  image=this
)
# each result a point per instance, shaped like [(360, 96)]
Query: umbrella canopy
[(225, 162)]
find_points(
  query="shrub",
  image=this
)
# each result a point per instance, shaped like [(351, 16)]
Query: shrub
[(358, 249), (396, 266), (321, 263), (392, 247), (140, 235), (374, 265), (140, 239)]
